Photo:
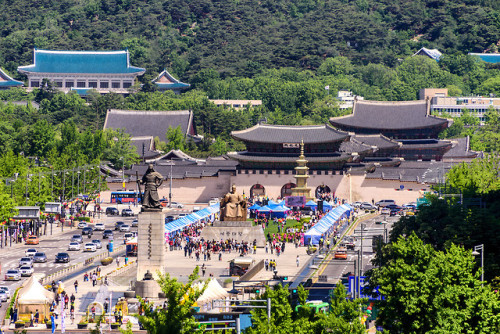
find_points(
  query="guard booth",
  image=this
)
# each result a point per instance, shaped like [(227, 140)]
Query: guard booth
[(239, 266)]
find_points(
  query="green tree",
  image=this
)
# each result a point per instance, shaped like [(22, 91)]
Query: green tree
[(41, 139), (7, 205), (119, 150), (344, 315), (175, 139), (429, 291), (177, 317)]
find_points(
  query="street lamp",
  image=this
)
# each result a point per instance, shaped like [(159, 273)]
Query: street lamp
[(476, 253)]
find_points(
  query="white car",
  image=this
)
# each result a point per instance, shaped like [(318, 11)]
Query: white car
[(128, 236), (74, 246), (125, 228), (30, 252), (26, 271), (13, 275), (26, 261), (97, 243), (5, 289), (82, 225), (3, 296), (177, 205), (89, 247), (385, 211), (135, 223), (99, 227)]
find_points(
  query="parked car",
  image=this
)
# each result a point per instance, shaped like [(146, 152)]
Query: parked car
[(39, 257), (97, 243), (117, 225), (77, 238), (89, 247), (87, 231), (82, 224), (74, 246), (62, 257), (124, 228), (356, 204), (13, 275), (26, 271), (107, 234), (135, 223), (127, 213), (367, 206), (177, 205), (30, 252), (385, 202), (6, 290), (25, 261), (112, 211), (99, 227), (32, 240)]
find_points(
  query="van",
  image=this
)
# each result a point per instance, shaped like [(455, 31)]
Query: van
[(385, 202)]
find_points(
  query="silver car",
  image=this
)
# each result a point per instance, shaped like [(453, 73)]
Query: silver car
[(6, 290), (26, 261), (26, 271), (3, 296)]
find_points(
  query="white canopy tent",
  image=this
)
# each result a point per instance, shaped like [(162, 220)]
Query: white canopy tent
[(33, 296)]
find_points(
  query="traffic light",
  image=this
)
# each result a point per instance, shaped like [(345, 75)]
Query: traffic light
[(294, 291), (257, 291), (285, 278)]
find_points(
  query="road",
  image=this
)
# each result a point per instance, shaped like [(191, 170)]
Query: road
[(332, 271), (53, 244)]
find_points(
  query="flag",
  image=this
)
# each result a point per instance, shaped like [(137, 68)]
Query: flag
[(63, 315), (327, 87)]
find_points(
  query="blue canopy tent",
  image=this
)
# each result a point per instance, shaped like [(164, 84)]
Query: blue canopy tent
[(272, 203), (192, 218), (312, 204), (313, 235), (265, 210), (279, 211), (255, 207)]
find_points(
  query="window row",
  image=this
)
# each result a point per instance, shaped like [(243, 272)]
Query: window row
[(85, 84)]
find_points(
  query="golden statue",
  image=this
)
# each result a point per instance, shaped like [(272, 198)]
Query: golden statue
[(233, 207)]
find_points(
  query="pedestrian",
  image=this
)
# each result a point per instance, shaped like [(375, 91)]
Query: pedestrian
[(266, 263), (11, 314), (297, 260), (37, 316), (53, 322), (66, 301), (203, 269), (106, 306), (126, 260), (76, 286), (32, 319), (117, 261)]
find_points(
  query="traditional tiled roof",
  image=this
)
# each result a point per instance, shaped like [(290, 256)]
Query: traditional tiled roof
[(148, 142), (95, 62), (413, 171), (493, 58), (311, 134), (354, 146), (424, 143), (165, 80), (149, 123), (6, 80), (382, 115), (460, 149), (380, 141), (431, 53), (244, 156)]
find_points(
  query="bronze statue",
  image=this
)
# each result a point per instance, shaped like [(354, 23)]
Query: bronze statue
[(151, 180), (233, 207)]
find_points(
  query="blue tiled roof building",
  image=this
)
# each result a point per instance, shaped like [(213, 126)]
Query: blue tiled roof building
[(7, 82), (104, 71)]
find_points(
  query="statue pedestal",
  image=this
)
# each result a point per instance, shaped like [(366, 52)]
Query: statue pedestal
[(147, 289), (237, 230), (151, 244)]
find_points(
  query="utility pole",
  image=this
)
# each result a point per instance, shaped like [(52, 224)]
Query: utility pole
[(26, 194), (170, 193)]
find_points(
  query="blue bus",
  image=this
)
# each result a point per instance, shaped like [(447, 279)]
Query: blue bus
[(120, 197)]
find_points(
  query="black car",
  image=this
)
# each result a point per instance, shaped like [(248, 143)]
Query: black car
[(395, 212), (112, 211), (107, 234), (87, 231), (393, 207), (62, 257), (118, 225), (127, 213), (169, 219), (39, 257)]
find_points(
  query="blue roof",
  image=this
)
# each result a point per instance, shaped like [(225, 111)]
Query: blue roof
[(492, 58), (107, 62), (172, 85), (165, 80), (7, 81)]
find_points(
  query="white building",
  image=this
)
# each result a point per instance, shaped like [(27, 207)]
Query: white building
[(455, 106), (346, 99)]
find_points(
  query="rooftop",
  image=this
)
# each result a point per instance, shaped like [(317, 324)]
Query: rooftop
[(492, 58), (278, 134), (89, 62), (165, 80), (6, 81), (139, 123), (384, 115), (431, 53)]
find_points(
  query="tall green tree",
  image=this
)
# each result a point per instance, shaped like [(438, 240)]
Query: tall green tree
[(175, 138), (429, 291)]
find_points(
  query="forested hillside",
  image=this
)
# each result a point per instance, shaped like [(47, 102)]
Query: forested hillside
[(242, 37)]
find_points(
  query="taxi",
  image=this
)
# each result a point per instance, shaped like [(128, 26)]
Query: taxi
[(341, 254), (32, 240)]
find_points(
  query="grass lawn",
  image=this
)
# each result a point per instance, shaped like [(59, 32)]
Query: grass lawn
[(273, 228)]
